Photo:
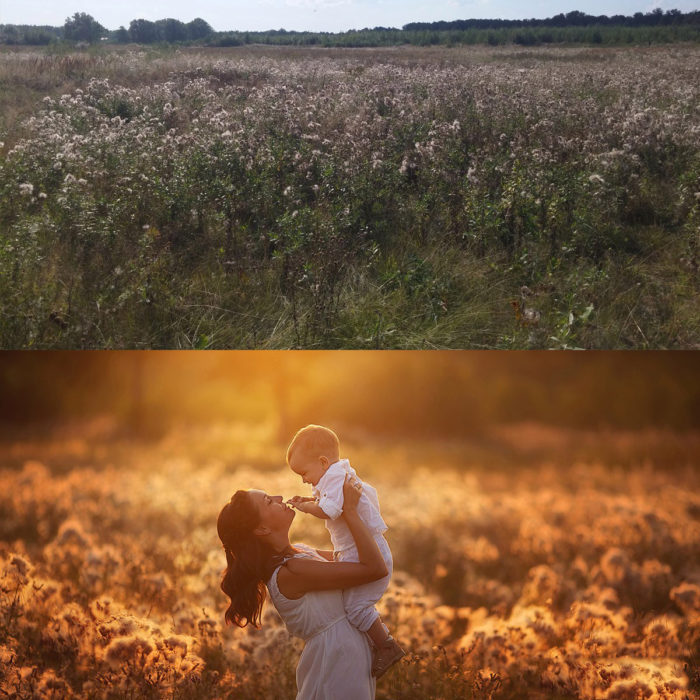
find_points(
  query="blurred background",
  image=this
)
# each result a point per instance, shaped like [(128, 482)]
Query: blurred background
[(490, 406)]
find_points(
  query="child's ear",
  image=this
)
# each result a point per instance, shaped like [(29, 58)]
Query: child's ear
[(325, 462)]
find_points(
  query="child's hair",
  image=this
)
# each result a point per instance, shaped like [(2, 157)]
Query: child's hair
[(317, 439)]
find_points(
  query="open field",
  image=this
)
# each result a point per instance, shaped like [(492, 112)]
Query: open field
[(567, 578), (279, 197)]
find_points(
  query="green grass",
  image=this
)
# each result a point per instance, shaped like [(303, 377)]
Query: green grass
[(301, 198)]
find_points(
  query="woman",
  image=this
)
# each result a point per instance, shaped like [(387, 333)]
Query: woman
[(305, 586)]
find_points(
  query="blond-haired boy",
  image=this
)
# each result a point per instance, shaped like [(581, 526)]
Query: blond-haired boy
[(314, 454)]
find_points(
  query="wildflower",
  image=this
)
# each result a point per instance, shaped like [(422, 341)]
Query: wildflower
[(51, 685), (71, 531), (407, 166), (687, 597), (127, 649), (26, 189), (20, 563)]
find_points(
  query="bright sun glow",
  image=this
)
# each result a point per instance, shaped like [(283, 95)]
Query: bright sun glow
[(530, 558)]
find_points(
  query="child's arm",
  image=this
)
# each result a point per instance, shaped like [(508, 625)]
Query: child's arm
[(307, 506), (312, 508)]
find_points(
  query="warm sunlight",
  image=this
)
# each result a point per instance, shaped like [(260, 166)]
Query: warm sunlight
[(542, 514)]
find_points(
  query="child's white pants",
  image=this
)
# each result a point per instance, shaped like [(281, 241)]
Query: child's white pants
[(359, 601)]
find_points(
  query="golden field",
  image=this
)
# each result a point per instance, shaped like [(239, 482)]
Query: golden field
[(525, 565)]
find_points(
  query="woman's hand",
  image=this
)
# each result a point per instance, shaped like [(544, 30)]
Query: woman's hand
[(352, 490)]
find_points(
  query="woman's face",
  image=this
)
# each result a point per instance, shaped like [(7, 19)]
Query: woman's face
[(274, 514)]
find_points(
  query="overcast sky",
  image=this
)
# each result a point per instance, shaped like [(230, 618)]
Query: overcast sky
[(314, 15)]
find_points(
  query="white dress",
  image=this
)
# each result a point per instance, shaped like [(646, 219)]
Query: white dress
[(336, 661)]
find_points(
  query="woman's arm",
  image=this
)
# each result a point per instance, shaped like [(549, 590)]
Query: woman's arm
[(300, 576)]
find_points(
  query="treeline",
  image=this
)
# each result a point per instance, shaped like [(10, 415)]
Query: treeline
[(575, 18), (84, 28), (575, 27), (24, 34), (525, 36)]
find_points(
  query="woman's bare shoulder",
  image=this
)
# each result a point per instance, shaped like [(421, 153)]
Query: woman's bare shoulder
[(292, 576)]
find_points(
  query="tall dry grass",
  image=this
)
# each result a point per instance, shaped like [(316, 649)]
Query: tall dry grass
[(579, 581)]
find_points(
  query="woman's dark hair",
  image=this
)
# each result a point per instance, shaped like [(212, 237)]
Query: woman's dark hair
[(249, 561)]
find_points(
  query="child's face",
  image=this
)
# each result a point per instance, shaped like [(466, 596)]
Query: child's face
[(308, 466)]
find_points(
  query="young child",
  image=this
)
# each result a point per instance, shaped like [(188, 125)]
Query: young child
[(313, 454)]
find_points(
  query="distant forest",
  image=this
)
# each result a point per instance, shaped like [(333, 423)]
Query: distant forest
[(571, 28)]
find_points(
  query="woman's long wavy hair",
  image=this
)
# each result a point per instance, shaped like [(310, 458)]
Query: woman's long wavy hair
[(249, 561)]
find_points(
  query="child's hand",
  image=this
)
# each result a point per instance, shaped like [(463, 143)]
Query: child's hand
[(307, 505), (300, 503)]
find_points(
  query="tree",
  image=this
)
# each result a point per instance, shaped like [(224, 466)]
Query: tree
[(121, 36), (83, 27), (10, 34), (198, 29), (141, 31), (172, 30), (38, 36)]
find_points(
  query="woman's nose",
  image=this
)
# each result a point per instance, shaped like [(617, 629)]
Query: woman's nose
[(277, 498)]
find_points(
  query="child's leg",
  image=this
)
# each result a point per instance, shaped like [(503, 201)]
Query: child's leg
[(365, 617), (360, 601), (359, 605)]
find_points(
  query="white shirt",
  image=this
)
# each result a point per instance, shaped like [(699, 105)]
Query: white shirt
[(329, 492)]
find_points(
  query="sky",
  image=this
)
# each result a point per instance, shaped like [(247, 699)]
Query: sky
[(314, 15)]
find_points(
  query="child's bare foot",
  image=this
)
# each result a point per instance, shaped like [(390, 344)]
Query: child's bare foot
[(385, 656)]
